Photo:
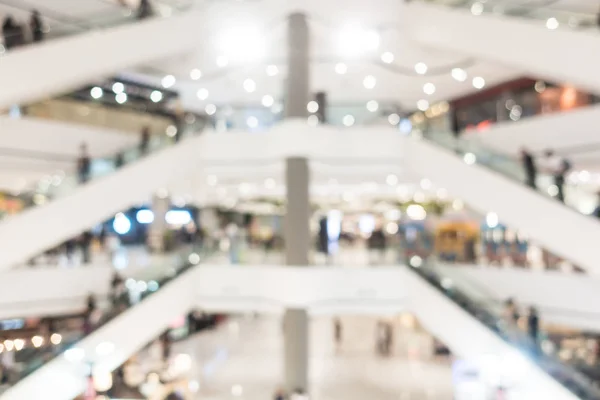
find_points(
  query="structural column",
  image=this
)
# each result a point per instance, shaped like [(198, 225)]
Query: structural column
[(297, 246), (297, 87), (158, 228)]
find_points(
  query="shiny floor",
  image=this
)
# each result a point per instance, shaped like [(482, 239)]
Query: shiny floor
[(242, 359)]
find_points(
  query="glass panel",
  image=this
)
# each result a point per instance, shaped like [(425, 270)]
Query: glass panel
[(38, 357), (490, 313)]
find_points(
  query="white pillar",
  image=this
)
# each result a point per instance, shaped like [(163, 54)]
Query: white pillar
[(297, 246), (295, 330), (297, 90), (159, 227)]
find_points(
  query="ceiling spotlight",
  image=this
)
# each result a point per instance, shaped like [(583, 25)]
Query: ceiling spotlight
[(96, 92), (210, 109), (156, 96), (421, 68), (249, 85), (369, 82), (252, 122), (478, 82), (394, 119), (222, 61), (552, 23), (272, 70), (195, 74), (267, 100), (387, 57), (118, 87), (341, 68), (372, 105), (429, 88), (121, 97), (168, 81), (477, 8), (422, 105), (202, 94), (312, 106), (459, 74), (348, 120)]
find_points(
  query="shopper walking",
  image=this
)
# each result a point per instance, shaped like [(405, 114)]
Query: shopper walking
[(533, 326), (9, 28), (529, 167), (144, 140), (145, 9), (83, 164), (36, 26)]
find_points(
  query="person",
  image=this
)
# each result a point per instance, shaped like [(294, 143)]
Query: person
[(83, 164), (529, 166), (116, 284), (89, 314), (144, 140), (533, 325), (596, 212), (9, 28), (279, 395), (165, 340), (145, 9), (36, 26), (377, 244), (512, 311), (323, 238), (86, 246), (337, 331), (119, 160)]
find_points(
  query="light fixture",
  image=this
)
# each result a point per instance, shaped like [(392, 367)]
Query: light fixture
[(168, 81), (252, 122), (312, 120), (195, 74), (312, 106), (121, 97), (421, 68), (118, 87), (272, 70), (423, 105), (459, 74), (372, 105), (56, 338), (202, 94), (222, 61), (369, 82), (194, 258), (341, 68), (354, 40), (394, 119), (96, 92), (171, 131), (429, 88), (249, 85), (477, 8), (469, 158), (387, 57), (478, 82), (267, 100), (391, 180), (540, 86), (156, 96), (37, 341), (491, 219), (552, 23), (210, 109), (348, 120)]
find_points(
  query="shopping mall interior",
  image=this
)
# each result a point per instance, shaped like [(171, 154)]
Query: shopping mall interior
[(294, 200)]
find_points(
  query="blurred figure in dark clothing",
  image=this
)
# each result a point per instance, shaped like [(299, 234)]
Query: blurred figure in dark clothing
[(83, 164), (529, 167), (86, 246), (145, 9), (533, 325), (36, 26), (9, 31), (144, 140)]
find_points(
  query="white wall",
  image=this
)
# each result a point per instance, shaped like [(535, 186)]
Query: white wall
[(41, 70), (556, 227), (562, 55)]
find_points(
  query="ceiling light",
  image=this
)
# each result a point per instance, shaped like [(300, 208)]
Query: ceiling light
[(478, 82), (267, 100), (394, 119), (222, 61), (156, 96), (118, 87), (121, 98), (387, 57), (369, 82), (249, 85), (168, 81), (202, 93), (195, 74), (341, 68), (421, 68), (353, 40), (552, 23), (272, 70), (348, 120), (210, 109), (312, 106), (429, 88), (252, 122), (540, 86), (372, 105), (477, 8), (423, 105), (96, 92), (312, 120), (459, 74)]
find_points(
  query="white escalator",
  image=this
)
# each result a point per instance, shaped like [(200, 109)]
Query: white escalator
[(553, 43), (73, 207), (491, 182)]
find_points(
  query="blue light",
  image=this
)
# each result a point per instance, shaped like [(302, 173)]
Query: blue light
[(121, 224)]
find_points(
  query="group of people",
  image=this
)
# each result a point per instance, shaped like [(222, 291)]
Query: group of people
[(552, 163), (533, 320), (16, 34)]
